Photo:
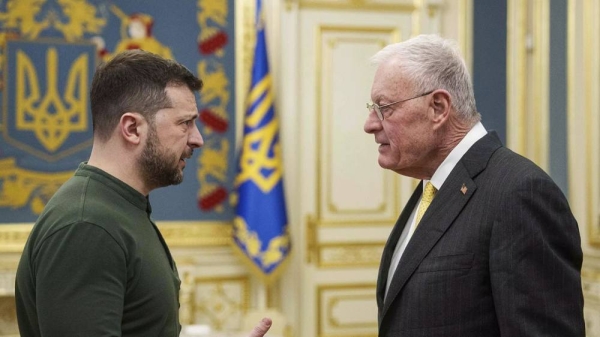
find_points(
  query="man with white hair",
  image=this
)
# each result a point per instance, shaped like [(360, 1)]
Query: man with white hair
[(487, 244)]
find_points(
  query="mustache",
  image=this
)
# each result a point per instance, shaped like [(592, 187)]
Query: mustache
[(188, 154)]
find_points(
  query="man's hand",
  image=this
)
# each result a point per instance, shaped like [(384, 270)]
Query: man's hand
[(261, 329)]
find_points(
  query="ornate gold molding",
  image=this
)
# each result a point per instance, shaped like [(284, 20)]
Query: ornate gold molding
[(315, 247), (350, 254), (359, 5), (220, 301), (465, 31), (8, 317), (196, 234), (528, 59), (13, 237), (583, 109), (330, 295), (176, 234)]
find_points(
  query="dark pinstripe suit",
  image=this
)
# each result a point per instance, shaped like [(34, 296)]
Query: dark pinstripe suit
[(502, 259)]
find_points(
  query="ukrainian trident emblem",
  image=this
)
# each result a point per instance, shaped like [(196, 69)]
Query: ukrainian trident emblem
[(48, 94), (45, 118), (50, 117)]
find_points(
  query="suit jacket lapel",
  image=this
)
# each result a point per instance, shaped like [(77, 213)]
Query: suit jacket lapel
[(391, 243), (440, 215)]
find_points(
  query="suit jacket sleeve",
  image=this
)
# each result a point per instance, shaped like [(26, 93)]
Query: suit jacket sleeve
[(535, 261)]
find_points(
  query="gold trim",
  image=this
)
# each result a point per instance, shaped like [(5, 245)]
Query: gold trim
[(13, 237), (244, 301), (323, 164), (313, 246), (540, 85), (176, 234), (571, 106), (583, 105), (323, 288), (528, 59), (358, 5), (354, 252), (9, 263), (321, 223), (591, 274), (591, 34), (465, 31), (516, 57), (311, 239), (417, 17), (333, 43), (245, 39), (332, 302), (195, 233)]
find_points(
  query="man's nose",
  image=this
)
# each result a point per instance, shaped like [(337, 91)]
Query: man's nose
[(195, 139), (372, 124)]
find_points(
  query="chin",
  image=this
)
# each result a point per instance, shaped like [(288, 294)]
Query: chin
[(385, 163), (387, 166)]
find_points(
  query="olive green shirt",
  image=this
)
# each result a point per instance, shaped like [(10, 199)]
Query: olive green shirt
[(96, 265)]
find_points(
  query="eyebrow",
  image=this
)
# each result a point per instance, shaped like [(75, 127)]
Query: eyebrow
[(188, 117), (381, 98)]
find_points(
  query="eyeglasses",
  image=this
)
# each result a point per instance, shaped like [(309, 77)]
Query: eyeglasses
[(378, 108)]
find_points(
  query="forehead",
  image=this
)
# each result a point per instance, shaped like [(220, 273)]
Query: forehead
[(182, 104), (388, 81), (181, 97)]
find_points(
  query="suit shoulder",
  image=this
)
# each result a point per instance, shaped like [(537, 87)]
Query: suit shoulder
[(514, 164)]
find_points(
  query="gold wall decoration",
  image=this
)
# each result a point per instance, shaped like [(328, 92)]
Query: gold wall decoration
[(8, 317), (350, 254), (590, 277), (583, 115), (337, 205), (176, 234), (13, 237), (220, 302), (528, 84), (343, 310)]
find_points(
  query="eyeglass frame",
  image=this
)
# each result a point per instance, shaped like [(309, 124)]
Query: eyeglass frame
[(377, 108)]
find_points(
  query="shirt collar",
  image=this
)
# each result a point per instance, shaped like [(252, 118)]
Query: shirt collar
[(443, 171), (127, 192)]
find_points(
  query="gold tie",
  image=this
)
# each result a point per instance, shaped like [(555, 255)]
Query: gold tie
[(428, 195)]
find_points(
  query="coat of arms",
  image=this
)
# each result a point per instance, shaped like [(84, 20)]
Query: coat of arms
[(48, 52)]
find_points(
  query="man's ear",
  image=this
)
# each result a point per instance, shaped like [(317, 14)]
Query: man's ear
[(441, 103), (132, 126)]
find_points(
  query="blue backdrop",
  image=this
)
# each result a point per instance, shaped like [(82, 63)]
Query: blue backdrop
[(49, 50)]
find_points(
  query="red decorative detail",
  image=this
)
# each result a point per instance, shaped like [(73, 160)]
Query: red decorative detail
[(214, 121), (102, 53), (133, 46), (213, 199), (213, 43)]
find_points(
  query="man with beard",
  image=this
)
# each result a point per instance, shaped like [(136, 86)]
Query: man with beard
[(95, 263)]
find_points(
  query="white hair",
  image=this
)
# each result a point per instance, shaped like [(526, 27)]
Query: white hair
[(430, 62)]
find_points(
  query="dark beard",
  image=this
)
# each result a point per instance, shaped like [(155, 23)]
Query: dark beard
[(157, 166)]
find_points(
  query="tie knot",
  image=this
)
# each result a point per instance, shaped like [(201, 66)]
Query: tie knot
[(429, 192)]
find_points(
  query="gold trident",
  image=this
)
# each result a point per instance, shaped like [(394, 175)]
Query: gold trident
[(51, 129)]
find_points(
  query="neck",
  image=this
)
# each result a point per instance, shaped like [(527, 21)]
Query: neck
[(118, 163), (450, 136)]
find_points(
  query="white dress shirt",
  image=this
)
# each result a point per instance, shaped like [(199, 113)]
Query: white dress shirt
[(437, 180)]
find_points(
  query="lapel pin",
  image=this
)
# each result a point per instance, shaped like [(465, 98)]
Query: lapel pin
[(463, 189)]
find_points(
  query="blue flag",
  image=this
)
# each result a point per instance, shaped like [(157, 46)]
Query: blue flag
[(260, 228)]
